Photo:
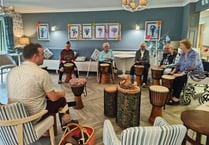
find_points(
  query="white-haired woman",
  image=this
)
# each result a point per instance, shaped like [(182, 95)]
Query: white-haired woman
[(106, 56)]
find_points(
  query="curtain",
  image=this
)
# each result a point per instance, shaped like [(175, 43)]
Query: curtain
[(9, 34)]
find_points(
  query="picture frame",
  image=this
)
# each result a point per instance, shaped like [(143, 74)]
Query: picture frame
[(114, 31), (87, 32), (74, 31), (152, 30), (43, 31), (100, 31)]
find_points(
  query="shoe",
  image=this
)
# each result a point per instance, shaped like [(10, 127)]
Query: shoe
[(70, 121), (59, 82), (144, 85), (171, 102)]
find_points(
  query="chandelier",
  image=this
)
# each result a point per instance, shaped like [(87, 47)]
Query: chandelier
[(133, 5), (6, 10)]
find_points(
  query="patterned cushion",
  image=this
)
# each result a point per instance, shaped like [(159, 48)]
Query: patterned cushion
[(8, 134), (95, 55), (47, 53)]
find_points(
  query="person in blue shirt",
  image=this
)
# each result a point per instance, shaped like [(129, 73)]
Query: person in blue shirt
[(189, 61), (106, 56)]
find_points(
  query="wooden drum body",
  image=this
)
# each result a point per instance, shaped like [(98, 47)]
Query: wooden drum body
[(158, 97), (104, 76), (128, 107), (156, 75), (68, 68), (77, 90), (138, 70), (110, 101), (167, 81)]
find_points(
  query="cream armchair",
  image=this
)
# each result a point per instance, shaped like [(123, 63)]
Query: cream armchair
[(161, 133), (16, 126)]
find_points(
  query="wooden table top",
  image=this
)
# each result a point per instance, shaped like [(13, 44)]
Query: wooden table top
[(197, 120)]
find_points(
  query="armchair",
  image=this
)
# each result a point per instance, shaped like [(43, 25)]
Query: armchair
[(16, 126), (6, 62), (161, 133)]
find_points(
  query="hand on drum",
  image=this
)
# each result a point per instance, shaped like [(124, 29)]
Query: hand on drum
[(178, 74), (62, 69), (107, 58), (163, 66)]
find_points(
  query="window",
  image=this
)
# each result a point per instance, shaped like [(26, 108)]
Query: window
[(2, 37)]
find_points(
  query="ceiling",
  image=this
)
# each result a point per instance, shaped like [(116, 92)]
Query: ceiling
[(48, 6)]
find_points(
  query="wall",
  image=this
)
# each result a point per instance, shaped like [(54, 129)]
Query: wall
[(205, 20), (171, 24)]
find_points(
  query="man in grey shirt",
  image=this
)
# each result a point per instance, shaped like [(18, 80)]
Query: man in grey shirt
[(33, 86)]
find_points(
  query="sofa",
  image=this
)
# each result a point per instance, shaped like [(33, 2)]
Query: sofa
[(88, 60), (84, 63)]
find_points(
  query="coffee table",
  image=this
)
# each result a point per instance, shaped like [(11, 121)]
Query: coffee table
[(196, 120)]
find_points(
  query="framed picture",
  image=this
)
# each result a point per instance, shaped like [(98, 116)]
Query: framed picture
[(43, 31), (152, 30), (114, 31), (74, 31), (100, 31), (87, 31)]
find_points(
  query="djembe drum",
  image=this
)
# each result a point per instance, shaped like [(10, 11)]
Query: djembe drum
[(158, 97), (156, 75), (104, 73), (167, 81), (77, 87), (110, 101), (128, 107), (68, 68), (138, 70)]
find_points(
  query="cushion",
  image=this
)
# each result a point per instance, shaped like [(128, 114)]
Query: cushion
[(95, 54), (81, 58), (47, 53)]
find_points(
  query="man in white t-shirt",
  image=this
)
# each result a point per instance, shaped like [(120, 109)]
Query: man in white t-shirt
[(33, 86)]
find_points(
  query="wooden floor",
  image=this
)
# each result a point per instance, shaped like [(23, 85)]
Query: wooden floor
[(93, 113)]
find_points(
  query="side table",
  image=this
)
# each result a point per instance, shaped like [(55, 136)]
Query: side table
[(196, 120)]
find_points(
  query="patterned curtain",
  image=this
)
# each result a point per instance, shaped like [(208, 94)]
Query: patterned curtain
[(9, 34)]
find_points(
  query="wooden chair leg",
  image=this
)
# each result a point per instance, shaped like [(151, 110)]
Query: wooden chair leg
[(55, 124)]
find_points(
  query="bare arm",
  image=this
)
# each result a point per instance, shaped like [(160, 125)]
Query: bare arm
[(55, 95)]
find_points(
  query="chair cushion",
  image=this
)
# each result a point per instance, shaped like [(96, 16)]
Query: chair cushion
[(81, 58), (47, 53), (8, 134), (44, 125)]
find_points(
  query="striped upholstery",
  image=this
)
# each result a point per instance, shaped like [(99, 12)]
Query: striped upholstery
[(164, 134), (8, 134)]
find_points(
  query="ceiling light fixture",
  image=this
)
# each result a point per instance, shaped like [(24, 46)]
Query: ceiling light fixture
[(133, 5), (6, 10)]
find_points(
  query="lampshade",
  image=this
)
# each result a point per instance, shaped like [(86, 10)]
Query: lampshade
[(24, 40)]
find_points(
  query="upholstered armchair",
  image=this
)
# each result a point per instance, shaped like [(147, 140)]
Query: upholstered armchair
[(161, 133), (6, 62), (16, 127)]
